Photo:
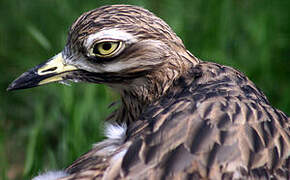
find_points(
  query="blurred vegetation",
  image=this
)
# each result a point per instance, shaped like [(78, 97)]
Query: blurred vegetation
[(48, 127)]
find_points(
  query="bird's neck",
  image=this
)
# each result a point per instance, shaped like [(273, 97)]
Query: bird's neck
[(142, 92)]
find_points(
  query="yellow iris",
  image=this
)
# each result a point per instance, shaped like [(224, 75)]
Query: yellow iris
[(105, 49)]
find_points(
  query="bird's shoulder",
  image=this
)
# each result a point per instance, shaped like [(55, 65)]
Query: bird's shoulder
[(214, 122)]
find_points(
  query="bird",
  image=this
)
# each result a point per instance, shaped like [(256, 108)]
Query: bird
[(179, 117)]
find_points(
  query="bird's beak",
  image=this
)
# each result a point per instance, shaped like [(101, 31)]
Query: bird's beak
[(53, 70)]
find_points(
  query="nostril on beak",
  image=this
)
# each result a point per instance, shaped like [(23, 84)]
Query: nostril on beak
[(50, 69)]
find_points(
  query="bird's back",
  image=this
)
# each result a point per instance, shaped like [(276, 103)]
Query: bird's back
[(213, 123)]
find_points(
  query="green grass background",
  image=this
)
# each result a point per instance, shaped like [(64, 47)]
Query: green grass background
[(48, 127)]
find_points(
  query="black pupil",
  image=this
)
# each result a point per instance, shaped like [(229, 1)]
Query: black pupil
[(107, 46)]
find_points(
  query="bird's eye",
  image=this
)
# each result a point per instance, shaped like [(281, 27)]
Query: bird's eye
[(106, 49)]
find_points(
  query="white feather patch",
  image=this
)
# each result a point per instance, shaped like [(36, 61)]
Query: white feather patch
[(116, 132), (50, 175), (116, 135)]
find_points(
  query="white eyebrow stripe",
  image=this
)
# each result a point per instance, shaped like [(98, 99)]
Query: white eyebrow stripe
[(116, 34)]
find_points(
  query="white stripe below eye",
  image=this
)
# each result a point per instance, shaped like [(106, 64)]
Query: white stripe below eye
[(110, 34)]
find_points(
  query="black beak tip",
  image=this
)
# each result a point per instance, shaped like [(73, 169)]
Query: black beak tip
[(16, 84), (19, 84), (26, 80), (11, 87)]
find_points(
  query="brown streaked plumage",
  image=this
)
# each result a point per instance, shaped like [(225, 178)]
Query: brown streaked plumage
[(186, 118)]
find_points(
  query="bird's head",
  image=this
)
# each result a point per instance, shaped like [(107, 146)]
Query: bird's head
[(119, 45)]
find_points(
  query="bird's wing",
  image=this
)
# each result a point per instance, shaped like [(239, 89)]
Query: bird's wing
[(213, 140), (218, 126)]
